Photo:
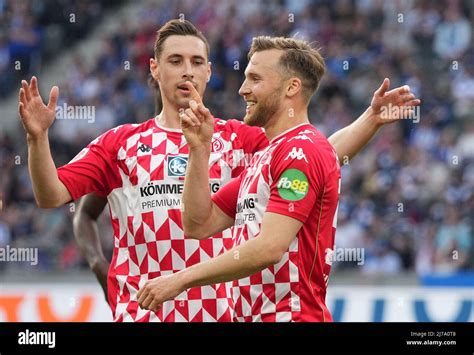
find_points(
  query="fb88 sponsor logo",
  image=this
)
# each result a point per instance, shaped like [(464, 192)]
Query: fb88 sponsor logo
[(293, 185)]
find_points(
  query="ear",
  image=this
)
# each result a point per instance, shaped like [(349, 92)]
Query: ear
[(154, 69), (294, 86), (209, 71)]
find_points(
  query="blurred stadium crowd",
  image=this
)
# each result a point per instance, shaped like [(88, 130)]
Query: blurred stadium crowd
[(407, 198)]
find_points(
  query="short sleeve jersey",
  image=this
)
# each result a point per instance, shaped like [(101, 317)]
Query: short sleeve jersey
[(297, 175), (140, 168)]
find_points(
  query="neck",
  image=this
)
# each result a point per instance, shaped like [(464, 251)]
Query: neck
[(169, 117), (283, 122)]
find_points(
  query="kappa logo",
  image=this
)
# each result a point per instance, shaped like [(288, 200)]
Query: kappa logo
[(144, 148), (177, 166), (297, 153), (302, 137), (307, 131)]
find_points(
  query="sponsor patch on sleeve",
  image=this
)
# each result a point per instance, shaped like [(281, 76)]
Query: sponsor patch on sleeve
[(293, 185)]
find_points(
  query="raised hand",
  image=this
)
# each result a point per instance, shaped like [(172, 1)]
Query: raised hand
[(35, 115), (391, 106), (197, 122)]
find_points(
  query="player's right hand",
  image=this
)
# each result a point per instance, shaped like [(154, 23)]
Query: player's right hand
[(34, 114), (197, 122)]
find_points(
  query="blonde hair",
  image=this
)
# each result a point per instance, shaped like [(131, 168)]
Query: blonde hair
[(299, 59)]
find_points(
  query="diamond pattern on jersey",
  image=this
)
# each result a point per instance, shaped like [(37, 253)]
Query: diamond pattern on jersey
[(274, 294), (148, 232)]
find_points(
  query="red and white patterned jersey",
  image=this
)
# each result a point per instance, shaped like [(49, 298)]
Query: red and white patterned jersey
[(141, 169), (297, 175)]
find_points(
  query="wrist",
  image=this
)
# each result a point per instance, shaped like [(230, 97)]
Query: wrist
[(373, 119), (37, 137), (184, 279), (203, 148)]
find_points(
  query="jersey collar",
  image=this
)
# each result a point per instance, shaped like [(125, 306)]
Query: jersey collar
[(288, 130), (174, 130)]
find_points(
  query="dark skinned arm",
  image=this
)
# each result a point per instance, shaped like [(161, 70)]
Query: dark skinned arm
[(86, 233)]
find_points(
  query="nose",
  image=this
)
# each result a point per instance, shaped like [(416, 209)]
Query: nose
[(244, 89), (188, 70)]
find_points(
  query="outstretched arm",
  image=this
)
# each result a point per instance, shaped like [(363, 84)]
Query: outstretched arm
[(278, 231), (386, 107), (37, 118), (87, 237)]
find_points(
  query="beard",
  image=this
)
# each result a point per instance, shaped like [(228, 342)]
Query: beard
[(264, 110)]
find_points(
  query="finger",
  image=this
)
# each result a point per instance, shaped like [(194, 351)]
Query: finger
[(406, 97), (415, 102), (22, 96), (21, 109), (154, 306), (142, 293), (383, 88), (141, 300), (199, 110), (404, 89), (146, 303), (53, 98), (204, 111), (186, 121), (34, 86), (188, 112), (194, 94), (194, 107), (25, 87)]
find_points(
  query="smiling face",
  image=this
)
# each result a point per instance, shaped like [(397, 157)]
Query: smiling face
[(183, 58), (263, 88)]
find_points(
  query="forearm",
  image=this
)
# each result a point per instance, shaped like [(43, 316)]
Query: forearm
[(349, 140), (197, 194), (48, 189), (87, 237), (243, 261)]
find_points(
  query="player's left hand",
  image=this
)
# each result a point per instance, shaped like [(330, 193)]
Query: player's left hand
[(391, 106), (155, 292)]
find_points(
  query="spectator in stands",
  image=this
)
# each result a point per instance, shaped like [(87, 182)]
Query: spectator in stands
[(453, 35), (424, 166), (453, 243)]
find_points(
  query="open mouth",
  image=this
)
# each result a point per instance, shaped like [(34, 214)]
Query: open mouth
[(184, 89), (250, 104)]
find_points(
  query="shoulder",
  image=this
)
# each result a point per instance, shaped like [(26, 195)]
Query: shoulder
[(236, 126), (308, 146), (117, 135)]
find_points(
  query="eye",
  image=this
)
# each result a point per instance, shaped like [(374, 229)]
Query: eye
[(198, 62), (174, 61)]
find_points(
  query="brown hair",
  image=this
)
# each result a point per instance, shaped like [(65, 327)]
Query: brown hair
[(180, 28), (299, 59)]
